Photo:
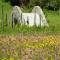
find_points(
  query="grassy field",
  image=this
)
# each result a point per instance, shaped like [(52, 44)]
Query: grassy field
[(38, 47), (29, 43), (53, 18)]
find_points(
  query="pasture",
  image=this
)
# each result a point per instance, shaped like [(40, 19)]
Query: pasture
[(53, 19), (29, 43)]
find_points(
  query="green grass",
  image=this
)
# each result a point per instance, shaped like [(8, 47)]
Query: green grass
[(7, 10), (38, 46), (53, 18)]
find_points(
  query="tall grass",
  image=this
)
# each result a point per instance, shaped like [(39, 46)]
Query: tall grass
[(52, 17)]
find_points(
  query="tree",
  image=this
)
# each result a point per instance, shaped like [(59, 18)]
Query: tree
[(49, 4), (53, 4), (18, 2)]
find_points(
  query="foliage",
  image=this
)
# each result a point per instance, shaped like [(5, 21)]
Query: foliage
[(53, 4), (48, 4), (18, 2)]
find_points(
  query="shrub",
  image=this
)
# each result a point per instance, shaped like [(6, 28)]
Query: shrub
[(53, 4), (49, 4)]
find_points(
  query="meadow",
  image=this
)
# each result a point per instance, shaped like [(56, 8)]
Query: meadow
[(52, 17), (29, 43), (31, 47)]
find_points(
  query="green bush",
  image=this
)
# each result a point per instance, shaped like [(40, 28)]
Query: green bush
[(53, 4), (50, 4)]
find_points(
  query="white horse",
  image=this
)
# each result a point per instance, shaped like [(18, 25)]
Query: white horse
[(24, 18)]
